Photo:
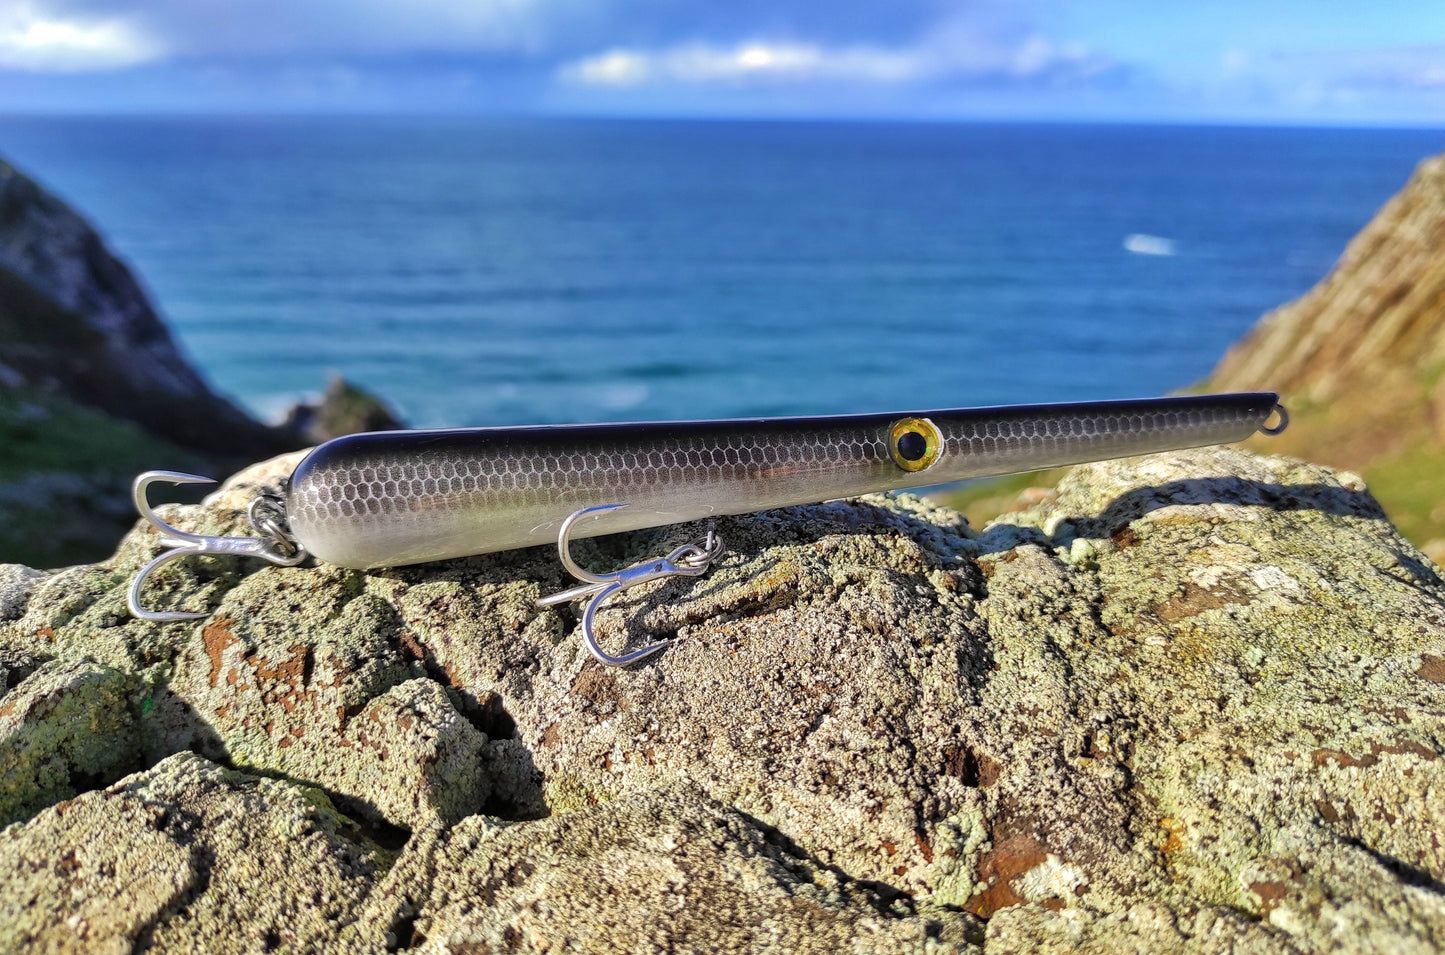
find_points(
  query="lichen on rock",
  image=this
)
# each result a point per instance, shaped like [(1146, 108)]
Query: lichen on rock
[(1193, 701), (667, 870), (184, 857), (64, 727)]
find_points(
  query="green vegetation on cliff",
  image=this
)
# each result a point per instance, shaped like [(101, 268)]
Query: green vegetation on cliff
[(65, 474)]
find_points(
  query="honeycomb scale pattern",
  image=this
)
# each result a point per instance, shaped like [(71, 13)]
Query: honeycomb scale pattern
[(404, 497)]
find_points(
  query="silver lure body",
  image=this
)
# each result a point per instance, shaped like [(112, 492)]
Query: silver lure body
[(406, 497)]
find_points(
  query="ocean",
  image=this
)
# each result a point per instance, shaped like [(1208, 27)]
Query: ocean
[(479, 271)]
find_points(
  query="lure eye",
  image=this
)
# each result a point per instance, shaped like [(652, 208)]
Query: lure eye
[(914, 443)]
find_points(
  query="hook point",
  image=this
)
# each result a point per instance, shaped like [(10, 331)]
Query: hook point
[(690, 560), (181, 543)]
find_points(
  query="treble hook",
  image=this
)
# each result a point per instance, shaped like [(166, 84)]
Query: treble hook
[(690, 560), (278, 548)]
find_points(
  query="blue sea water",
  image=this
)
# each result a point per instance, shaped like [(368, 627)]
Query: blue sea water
[(496, 271)]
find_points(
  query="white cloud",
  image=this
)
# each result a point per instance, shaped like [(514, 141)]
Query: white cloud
[(1414, 67), (246, 29), (33, 41), (699, 63), (1235, 62), (1318, 76), (617, 67), (1038, 57), (1431, 77), (949, 54)]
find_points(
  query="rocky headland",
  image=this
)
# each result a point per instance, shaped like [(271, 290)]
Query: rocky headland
[(94, 388), (1359, 359), (75, 322)]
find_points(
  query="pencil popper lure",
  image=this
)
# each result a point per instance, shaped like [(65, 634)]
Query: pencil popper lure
[(391, 498)]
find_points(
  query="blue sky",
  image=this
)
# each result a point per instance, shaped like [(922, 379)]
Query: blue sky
[(1255, 61)]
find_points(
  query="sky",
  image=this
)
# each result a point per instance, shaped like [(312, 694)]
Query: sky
[(1315, 62)]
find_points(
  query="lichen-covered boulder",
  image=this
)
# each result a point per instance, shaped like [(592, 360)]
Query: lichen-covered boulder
[(1193, 701), (63, 728), (668, 870), (1214, 691), (817, 681), (186, 857)]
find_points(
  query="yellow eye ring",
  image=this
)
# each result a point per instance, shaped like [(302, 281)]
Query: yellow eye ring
[(914, 443)]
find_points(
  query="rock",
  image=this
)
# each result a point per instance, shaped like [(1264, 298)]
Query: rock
[(89, 875), (669, 870), (1193, 701), (17, 583), (74, 320), (770, 699), (198, 849), (186, 857), (345, 408), (1236, 669), (1031, 930), (65, 729)]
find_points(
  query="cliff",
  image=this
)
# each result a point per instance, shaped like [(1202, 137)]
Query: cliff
[(74, 322), (94, 389), (1192, 702), (1359, 359)]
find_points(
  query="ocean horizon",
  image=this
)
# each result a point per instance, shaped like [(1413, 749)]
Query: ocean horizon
[(477, 271)]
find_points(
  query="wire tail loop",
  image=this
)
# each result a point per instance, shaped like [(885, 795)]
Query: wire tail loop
[(1279, 416), (276, 547), (690, 560)]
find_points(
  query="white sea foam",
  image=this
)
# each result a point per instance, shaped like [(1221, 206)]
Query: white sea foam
[(622, 396), (1142, 244)]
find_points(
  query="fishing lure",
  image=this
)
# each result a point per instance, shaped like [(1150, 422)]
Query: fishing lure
[(391, 498)]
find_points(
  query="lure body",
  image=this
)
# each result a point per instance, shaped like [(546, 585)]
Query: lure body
[(405, 497)]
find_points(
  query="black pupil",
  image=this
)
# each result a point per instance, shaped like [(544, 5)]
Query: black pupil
[(912, 446)]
